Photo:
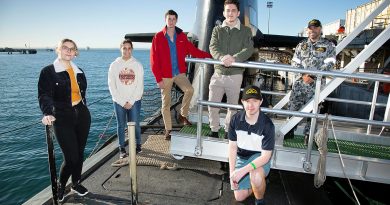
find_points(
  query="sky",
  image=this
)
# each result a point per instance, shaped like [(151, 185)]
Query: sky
[(104, 23)]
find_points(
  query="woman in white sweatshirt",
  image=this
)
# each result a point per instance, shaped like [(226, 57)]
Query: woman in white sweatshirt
[(126, 85)]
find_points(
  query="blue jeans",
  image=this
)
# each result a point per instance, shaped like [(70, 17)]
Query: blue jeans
[(123, 116)]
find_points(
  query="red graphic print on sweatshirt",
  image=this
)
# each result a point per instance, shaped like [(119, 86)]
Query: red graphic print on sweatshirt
[(127, 76)]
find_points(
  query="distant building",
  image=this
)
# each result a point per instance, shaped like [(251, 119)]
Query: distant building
[(333, 28), (355, 16)]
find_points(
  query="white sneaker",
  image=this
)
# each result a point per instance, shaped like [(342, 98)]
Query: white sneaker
[(80, 190)]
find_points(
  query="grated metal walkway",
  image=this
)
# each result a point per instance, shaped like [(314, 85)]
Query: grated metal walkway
[(191, 129), (346, 147)]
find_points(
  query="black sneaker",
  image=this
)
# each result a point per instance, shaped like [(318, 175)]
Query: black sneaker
[(214, 134), (122, 153), (138, 149), (61, 193), (80, 190), (225, 136)]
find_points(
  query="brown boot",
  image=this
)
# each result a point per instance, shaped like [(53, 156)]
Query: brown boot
[(184, 120), (167, 135)]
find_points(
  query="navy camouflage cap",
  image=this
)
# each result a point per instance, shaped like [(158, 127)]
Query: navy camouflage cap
[(251, 91), (314, 22)]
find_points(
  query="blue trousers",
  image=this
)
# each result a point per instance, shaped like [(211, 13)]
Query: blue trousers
[(123, 116)]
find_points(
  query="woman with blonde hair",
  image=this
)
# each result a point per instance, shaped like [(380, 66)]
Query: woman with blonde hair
[(61, 94)]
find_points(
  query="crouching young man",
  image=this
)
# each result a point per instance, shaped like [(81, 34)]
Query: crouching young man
[(251, 141)]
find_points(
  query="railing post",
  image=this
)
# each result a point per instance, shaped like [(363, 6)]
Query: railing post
[(286, 83), (386, 117), (373, 103), (132, 162), (307, 163), (52, 163), (272, 86), (198, 148)]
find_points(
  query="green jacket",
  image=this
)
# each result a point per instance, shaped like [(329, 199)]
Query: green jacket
[(235, 42)]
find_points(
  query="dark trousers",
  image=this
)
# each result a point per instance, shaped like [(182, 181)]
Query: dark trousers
[(71, 129)]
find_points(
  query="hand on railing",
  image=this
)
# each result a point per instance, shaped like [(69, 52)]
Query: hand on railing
[(228, 60), (48, 119)]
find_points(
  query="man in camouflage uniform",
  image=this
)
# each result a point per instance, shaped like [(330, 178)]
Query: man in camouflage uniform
[(316, 53)]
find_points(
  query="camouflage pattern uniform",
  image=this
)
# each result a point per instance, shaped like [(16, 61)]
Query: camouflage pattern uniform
[(320, 55)]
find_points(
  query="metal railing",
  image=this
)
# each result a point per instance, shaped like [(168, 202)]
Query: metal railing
[(315, 115)]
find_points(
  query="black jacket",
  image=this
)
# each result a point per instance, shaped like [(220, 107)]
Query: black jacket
[(54, 91)]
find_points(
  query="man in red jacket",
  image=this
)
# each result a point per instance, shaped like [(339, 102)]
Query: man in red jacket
[(167, 60)]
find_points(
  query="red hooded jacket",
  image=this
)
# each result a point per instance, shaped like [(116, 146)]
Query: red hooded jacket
[(160, 59)]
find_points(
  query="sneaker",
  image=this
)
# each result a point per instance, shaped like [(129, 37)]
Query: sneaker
[(80, 190), (138, 149), (214, 134), (167, 135), (122, 153), (61, 193)]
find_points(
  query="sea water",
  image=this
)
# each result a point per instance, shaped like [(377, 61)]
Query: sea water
[(23, 152)]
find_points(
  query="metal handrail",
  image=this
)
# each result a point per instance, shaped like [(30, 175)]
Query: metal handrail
[(280, 67), (299, 114), (257, 65), (314, 115), (358, 102)]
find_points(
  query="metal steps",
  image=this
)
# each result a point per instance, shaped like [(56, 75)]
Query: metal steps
[(350, 68)]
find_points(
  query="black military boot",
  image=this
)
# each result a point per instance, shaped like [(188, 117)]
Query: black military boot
[(306, 140), (289, 135)]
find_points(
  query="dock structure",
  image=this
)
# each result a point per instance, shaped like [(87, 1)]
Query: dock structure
[(18, 50), (163, 180), (191, 168)]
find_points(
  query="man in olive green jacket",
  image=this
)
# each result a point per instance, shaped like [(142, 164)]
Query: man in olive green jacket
[(230, 42)]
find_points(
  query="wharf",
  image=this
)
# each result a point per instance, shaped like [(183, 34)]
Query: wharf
[(111, 185), (191, 185), (163, 180), (18, 50)]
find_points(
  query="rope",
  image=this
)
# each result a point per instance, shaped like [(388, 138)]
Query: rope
[(321, 139), (101, 136), (343, 165)]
